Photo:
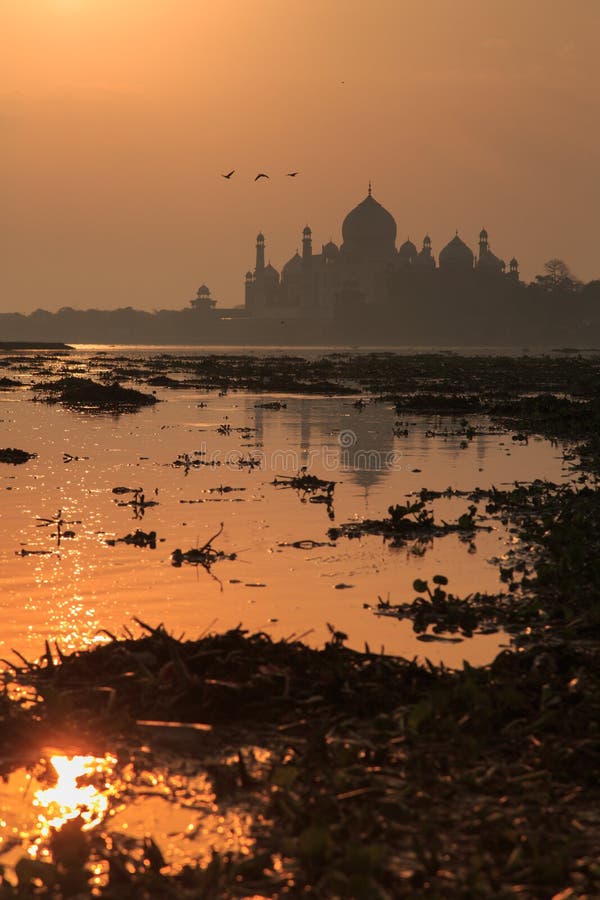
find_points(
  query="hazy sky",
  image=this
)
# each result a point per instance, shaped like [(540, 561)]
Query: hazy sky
[(118, 116)]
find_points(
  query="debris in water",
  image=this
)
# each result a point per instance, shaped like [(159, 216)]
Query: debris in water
[(15, 457)]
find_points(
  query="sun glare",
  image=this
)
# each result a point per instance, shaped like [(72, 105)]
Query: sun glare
[(83, 788)]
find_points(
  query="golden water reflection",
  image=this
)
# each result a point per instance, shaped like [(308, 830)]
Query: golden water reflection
[(171, 800), (84, 787)]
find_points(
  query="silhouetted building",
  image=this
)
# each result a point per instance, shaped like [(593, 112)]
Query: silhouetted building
[(366, 269), (203, 302)]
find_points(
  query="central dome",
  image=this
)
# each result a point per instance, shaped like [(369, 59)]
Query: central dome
[(370, 228)]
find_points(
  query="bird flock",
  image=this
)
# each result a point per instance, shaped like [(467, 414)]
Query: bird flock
[(259, 175)]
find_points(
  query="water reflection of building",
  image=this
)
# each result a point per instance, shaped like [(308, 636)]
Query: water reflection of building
[(366, 446), (329, 436), (333, 438)]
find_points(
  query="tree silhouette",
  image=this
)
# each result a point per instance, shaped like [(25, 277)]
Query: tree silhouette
[(557, 278)]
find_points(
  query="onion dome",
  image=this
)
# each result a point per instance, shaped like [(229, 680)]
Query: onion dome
[(330, 250), (370, 229), (407, 251), (306, 231), (456, 255), (203, 291), (293, 266), (489, 260)]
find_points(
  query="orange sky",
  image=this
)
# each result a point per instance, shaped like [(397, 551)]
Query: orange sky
[(117, 116)]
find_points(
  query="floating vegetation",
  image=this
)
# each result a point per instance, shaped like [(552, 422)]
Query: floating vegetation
[(446, 613), (138, 503), (166, 381), (126, 490), (272, 404), (138, 539), (222, 489), (204, 556), (310, 488), (306, 544), (304, 482), (88, 394), (187, 462), (69, 458), (249, 462), (411, 522), (15, 457), (440, 403)]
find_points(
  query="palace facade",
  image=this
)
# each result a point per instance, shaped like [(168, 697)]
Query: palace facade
[(367, 268)]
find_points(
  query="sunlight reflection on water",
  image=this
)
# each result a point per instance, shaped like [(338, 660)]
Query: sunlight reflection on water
[(276, 582), (83, 788), (173, 802)]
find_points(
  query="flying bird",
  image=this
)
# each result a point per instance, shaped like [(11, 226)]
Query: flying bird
[(292, 174), (229, 174), (261, 175)]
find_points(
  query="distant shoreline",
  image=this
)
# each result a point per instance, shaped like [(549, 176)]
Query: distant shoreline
[(34, 345)]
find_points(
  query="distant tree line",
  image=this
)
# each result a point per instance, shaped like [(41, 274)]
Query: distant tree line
[(555, 309)]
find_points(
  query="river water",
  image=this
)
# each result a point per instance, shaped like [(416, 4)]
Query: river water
[(70, 592)]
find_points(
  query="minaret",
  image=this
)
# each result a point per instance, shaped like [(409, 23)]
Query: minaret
[(483, 243), (260, 253), (307, 245), (307, 266), (514, 269), (249, 291)]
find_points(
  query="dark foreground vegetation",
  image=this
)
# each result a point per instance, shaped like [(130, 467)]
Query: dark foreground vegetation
[(88, 394), (385, 778)]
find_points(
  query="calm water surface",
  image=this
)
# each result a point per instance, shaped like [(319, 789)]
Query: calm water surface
[(87, 585)]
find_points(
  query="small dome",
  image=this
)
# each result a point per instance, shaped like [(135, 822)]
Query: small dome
[(370, 228), (427, 241), (271, 272), (306, 231), (456, 255), (248, 275), (293, 266), (203, 291), (330, 250), (407, 250), (260, 236), (483, 235)]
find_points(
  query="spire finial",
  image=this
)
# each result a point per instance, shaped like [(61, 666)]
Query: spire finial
[(369, 187)]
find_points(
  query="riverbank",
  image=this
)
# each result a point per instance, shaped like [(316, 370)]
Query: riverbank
[(10, 346)]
